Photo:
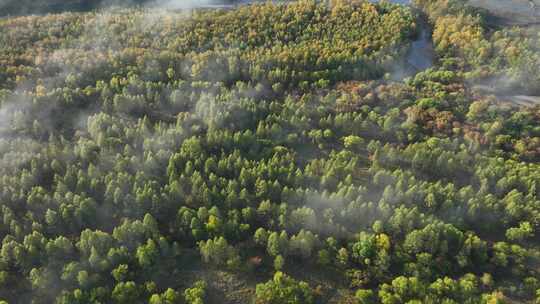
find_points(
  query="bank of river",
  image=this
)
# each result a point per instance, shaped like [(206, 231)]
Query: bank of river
[(511, 12)]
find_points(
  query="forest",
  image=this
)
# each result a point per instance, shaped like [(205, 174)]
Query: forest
[(25, 7), (268, 154)]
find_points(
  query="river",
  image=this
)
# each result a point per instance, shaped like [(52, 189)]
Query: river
[(517, 12), (421, 55)]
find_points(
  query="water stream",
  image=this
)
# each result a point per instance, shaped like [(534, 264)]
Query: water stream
[(421, 55)]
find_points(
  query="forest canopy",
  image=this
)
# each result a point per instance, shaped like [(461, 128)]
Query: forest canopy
[(25, 7), (270, 153)]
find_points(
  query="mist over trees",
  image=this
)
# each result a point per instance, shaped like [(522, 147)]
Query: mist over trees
[(22, 7), (265, 155), (26, 7)]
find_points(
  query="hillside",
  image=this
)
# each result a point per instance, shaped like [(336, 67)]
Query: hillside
[(516, 12), (269, 154)]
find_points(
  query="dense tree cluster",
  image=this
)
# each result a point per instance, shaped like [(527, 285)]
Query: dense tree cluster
[(140, 150), (506, 57), (26, 7)]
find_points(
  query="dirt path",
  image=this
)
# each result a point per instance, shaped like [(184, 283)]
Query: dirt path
[(516, 100), (521, 100)]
